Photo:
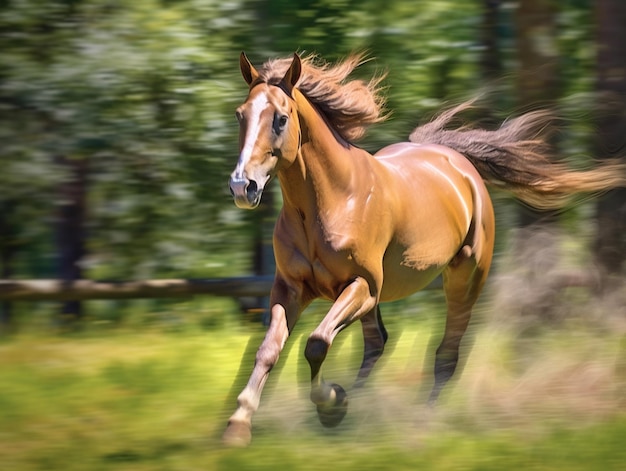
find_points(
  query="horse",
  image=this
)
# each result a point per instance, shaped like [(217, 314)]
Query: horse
[(360, 229)]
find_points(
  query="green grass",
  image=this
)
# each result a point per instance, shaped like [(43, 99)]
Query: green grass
[(149, 398)]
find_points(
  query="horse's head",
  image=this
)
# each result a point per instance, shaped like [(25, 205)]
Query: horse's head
[(269, 132)]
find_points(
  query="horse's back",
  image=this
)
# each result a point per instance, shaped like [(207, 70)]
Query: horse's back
[(430, 166), (417, 157)]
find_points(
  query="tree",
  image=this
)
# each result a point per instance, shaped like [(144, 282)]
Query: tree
[(538, 83), (610, 244), (113, 117), (490, 61)]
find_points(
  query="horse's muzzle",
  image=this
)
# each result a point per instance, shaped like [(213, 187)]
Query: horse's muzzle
[(246, 193)]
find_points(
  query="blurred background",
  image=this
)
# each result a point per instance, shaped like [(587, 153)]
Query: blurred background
[(118, 135)]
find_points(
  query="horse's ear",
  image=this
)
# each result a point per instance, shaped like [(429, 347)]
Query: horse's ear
[(291, 77), (248, 71)]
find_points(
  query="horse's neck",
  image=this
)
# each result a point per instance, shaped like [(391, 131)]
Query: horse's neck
[(324, 168)]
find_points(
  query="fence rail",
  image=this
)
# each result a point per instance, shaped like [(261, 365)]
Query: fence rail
[(83, 290), (80, 290)]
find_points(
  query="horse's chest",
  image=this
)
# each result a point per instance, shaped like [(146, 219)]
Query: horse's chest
[(324, 280), (324, 259), (332, 266)]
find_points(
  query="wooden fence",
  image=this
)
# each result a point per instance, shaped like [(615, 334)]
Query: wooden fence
[(80, 290)]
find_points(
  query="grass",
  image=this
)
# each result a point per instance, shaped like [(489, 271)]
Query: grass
[(148, 397)]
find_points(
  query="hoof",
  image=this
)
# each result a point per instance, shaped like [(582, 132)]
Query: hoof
[(331, 416), (237, 434)]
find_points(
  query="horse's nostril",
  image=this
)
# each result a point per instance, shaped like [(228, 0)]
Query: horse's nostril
[(252, 190), (232, 193)]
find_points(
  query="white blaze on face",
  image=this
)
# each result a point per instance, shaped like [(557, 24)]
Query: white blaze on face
[(257, 105)]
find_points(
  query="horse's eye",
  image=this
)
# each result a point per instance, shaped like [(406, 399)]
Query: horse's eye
[(279, 123)]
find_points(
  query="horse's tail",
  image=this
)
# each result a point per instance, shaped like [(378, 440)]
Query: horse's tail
[(515, 157)]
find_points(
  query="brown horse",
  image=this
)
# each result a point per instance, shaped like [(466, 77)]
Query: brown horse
[(359, 229)]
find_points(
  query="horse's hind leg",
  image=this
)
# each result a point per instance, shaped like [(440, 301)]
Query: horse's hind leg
[(462, 281), (374, 339)]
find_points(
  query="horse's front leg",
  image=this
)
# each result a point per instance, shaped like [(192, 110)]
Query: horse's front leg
[(355, 301), (286, 306)]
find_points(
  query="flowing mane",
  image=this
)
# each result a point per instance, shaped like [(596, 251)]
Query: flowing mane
[(349, 106)]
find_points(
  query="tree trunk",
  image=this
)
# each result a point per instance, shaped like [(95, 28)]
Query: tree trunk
[(538, 55), (610, 243), (538, 82), (491, 65), (7, 252), (70, 229), (490, 62), (263, 261)]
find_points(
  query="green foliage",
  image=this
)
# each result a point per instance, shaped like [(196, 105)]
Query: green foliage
[(144, 92), (139, 89)]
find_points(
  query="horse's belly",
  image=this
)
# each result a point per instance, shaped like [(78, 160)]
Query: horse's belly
[(406, 283), (402, 279)]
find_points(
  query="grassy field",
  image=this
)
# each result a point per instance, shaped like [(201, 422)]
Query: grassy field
[(150, 397)]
